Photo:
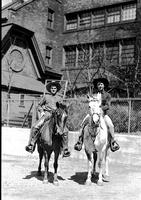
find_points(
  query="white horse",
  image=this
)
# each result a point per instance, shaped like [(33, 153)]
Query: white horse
[(96, 141)]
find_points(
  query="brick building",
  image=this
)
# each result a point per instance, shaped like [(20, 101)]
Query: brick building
[(103, 38), (86, 38)]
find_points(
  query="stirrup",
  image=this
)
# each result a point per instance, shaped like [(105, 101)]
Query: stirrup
[(30, 148)]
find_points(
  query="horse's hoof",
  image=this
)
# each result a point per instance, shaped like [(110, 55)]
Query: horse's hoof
[(94, 174), (88, 182), (56, 183), (99, 183), (45, 181), (105, 178)]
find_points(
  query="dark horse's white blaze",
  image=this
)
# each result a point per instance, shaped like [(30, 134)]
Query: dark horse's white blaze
[(97, 139), (51, 142)]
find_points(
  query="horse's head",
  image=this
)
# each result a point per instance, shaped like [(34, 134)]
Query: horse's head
[(94, 107), (61, 114)]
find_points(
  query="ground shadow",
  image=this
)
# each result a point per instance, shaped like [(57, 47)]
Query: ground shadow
[(35, 175), (80, 178)]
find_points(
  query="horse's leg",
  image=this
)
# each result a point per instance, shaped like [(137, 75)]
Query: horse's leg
[(41, 153), (89, 168), (56, 156), (46, 165), (100, 165), (94, 163), (106, 172)]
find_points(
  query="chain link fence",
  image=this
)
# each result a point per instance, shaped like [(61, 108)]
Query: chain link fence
[(125, 114)]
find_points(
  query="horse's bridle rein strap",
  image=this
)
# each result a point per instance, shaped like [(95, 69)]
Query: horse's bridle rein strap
[(93, 127)]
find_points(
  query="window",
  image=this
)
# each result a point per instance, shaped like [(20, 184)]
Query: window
[(98, 18), (113, 15), (21, 100), (70, 56), (85, 19), (50, 20), (129, 12), (127, 52), (71, 22), (83, 55), (112, 52), (97, 54), (48, 55)]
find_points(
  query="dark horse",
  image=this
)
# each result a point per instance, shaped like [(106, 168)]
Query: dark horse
[(51, 141)]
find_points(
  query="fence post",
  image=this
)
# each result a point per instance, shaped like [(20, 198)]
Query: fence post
[(129, 114), (34, 113), (27, 115), (8, 110)]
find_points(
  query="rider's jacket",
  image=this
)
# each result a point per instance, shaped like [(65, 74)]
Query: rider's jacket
[(106, 101), (48, 102)]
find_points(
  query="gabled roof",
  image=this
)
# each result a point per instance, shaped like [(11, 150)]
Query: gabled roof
[(14, 29), (5, 30), (22, 82), (15, 5)]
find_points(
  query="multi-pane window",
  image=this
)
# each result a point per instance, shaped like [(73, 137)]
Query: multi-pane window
[(83, 55), (21, 100), (98, 18), (85, 19), (70, 56), (50, 20), (48, 55), (112, 52), (113, 15), (127, 52), (97, 53), (129, 12), (71, 22)]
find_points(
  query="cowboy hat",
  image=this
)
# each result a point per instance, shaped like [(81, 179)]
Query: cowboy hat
[(53, 83), (101, 80)]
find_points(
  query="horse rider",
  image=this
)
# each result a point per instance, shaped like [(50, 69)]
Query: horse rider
[(100, 85), (45, 107)]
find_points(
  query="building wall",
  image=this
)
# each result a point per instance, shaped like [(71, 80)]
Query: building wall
[(33, 16), (71, 5), (108, 32), (37, 10), (103, 33)]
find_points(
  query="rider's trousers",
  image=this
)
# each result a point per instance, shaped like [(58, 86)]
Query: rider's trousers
[(34, 133), (107, 120)]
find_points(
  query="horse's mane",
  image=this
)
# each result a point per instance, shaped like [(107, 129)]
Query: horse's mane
[(62, 106)]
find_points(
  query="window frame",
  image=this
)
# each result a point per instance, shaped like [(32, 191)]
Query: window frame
[(128, 5), (50, 20), (104, 20), (48, 57), (116, 57), (21, 100)]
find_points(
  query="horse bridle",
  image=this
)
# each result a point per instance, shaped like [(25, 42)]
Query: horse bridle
[(98, 122), (58, 111)]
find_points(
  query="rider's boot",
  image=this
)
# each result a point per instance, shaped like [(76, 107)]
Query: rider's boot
[(114, 146), (32, 141), (66, 152)]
